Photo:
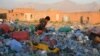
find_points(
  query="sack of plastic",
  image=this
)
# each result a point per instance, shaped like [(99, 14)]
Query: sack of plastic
[(65, 29), (5, 28), (15, 45)]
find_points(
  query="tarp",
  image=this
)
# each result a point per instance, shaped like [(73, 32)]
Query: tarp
[(20, 35), (65, 29), (5, 27)]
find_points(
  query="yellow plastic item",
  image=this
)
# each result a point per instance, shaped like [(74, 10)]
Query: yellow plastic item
[(55, 50), (45, 47), (42, 46)]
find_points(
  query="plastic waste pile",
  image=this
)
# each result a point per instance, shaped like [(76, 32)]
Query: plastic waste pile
[(62, 42), (70, 46)]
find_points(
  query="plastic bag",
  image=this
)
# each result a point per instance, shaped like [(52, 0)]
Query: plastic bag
[(15, 45)]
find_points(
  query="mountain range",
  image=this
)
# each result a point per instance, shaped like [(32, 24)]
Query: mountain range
[(66, 6)]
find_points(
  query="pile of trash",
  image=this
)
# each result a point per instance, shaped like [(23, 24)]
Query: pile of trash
[(22, 40)]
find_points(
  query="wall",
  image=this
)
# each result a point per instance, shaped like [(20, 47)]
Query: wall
[(20, 13)]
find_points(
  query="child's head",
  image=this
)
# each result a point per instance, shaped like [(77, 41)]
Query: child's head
[(47, 18)]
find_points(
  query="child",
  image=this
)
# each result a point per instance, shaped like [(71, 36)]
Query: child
[(42, 23)]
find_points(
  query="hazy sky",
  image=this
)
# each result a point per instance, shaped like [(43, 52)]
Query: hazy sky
[(85, 1), (49, 1), (54, 1), (16, 3)]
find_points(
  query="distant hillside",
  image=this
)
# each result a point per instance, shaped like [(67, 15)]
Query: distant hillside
[(65, 5)]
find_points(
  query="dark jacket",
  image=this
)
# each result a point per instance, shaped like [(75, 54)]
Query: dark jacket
[(41, 25)]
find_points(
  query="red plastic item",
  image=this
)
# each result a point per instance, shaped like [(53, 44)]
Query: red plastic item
[(39, 32), (20, 35), (5, 27)]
